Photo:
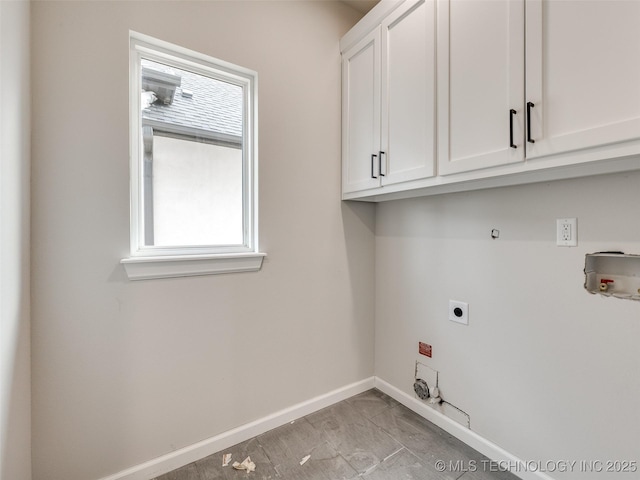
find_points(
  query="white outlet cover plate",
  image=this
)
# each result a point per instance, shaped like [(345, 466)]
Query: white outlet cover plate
[(572, 232), (464, 318)]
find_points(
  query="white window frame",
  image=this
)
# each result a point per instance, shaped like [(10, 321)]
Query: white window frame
[(158, 261)]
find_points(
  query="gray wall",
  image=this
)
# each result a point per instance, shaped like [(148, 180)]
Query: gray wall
[(125, 372), (545, 370)]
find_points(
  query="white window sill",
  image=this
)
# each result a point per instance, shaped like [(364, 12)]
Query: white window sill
[(144, 268)]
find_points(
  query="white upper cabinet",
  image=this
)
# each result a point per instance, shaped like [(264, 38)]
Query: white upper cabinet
[(480, 68), (582, 74), (361, 114), (491, 92), (582, 82), (408, 86), (388, 101)]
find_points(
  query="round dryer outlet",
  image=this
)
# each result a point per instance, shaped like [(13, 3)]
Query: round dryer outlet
[(421, 388)]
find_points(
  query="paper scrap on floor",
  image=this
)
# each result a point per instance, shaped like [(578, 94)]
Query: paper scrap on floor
[(246, 464), (226, 458), (304, 459)]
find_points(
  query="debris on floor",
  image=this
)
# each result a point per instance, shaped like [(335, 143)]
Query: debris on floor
[(246, 464), (304, 459), (226, 458)]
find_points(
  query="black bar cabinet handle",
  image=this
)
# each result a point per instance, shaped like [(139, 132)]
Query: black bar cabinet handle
[(512, 112), (380, 163), (530, 105), (373, 156)]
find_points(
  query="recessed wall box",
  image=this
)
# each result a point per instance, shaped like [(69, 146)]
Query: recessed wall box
[(613, 274)]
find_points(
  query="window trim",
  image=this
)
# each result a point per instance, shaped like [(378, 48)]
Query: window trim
[(161, 262), (145, 268)]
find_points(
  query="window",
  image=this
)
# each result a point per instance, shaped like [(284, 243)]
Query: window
[(193, 163)]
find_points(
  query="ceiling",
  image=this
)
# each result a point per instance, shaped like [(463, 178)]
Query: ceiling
[(361, 5)]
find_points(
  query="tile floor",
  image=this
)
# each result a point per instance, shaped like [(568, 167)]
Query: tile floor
[(369, 436)]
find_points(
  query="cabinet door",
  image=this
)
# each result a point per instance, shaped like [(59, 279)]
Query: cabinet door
[(583, 73), (361, 115), (408, 93), (480, 62)]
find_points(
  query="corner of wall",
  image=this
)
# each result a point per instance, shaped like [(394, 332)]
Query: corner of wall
[(15, 363)]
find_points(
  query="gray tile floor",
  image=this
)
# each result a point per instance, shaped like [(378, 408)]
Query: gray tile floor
[(369, 436)]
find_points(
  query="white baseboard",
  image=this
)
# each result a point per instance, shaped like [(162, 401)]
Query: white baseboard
[(475, 441), (186, 455), (192, 453)]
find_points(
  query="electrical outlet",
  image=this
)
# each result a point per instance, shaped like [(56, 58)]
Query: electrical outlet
[(567, 232), (459, 312)]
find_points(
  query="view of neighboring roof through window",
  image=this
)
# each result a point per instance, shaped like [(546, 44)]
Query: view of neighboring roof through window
[(193, 158), (207, 106)]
